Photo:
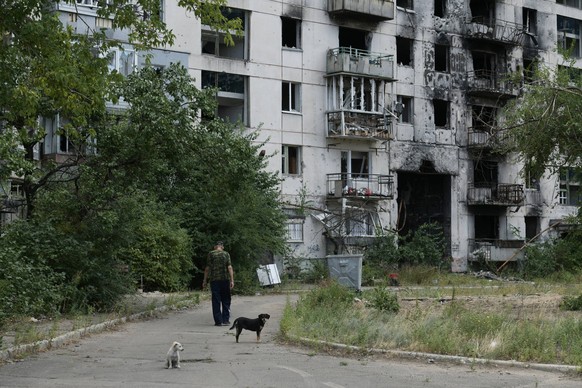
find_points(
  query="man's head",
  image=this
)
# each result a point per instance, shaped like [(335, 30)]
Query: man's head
[(219, 245)]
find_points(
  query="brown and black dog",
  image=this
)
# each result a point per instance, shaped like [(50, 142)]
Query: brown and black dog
[(255, 324)]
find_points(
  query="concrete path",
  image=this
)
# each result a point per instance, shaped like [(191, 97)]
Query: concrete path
[(133, 355)]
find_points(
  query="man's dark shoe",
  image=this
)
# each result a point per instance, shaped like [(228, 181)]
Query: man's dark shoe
[(226, 323), (218, 324)]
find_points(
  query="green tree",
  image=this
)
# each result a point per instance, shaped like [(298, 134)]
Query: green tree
[(47, 70), (208, 172), (545, 123)]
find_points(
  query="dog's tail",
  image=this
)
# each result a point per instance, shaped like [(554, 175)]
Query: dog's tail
[(233, 324)]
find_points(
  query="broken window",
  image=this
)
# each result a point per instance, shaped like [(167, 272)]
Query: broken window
[(231, 94), (291, 159), (440, 8), (570, 190), (483, 11), (485, 173), (529, 70), (483, 63), (441, 113), (359, 223), (213, 41), (291, 32), (291, 97), (406, 4), (405, 104), (483, 118), (530, 23), (354, 38), (532, 227), (356, 93), (569, 35), (355, 164), (486, 227), (122, 60), (404, 51), (441, 58)]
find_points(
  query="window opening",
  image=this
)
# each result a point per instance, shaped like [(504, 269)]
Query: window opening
[(484, 173), (291, 32), (291, 159), (569, 35), (355, 164), (354, 38), (291, 95), (213, 41), (441, 113), (441, 58), (407, 113), (440, 8), (404, 51), (483, 118), (530, 23), (486, 227), (406, 4), (570, 192), (483, 11), (231, 94)]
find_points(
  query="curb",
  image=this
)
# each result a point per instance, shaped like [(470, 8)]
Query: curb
[(62, 340), (431, 357)]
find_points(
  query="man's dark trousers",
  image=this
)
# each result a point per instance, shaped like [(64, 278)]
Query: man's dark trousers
[(220, 290)]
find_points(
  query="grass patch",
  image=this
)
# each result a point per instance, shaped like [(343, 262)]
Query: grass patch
[(509, 321)]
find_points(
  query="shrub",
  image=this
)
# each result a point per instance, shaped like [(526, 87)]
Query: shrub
[(384, 300), (28, 286), (571, 303)]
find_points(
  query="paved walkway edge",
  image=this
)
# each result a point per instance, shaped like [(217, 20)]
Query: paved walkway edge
[(57, 342), (431, 357)]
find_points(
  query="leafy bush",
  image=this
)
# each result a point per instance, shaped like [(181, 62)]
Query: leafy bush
[(549, 257), (28, 286), (424, 247), (384, 300), (571, 303)]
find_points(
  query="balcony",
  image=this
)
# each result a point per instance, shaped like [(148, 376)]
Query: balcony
[(494, 250), (363, 186), (489, 83), (493, 30), (358, 125), (373, 10), (496, 194), (483, 140), (349, 60)]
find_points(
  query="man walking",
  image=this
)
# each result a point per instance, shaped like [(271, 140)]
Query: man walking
[(221, 276)]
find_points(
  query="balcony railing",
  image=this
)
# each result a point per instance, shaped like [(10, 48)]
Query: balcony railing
[(484, 140), (494, 250), (358, 125), (493, 30), (489, 82), (366, 186), (362, 62), (500, 194), (375, 10)]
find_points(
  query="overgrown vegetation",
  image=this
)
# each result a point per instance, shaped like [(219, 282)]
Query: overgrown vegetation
[(391, 252), (444, 322)]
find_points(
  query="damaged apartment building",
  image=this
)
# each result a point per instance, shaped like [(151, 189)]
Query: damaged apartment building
[(386, 114)]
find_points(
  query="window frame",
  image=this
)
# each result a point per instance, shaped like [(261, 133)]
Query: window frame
[(287, 160), (407, 103), (291, 98), (288, 24)]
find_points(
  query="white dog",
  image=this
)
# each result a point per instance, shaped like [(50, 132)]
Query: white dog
[(173, 356)]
